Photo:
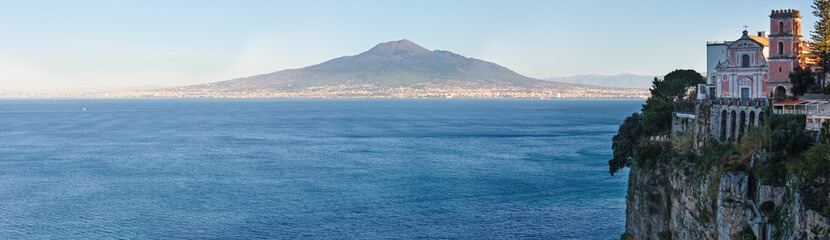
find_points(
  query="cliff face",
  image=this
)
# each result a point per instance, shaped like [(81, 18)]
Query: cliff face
[(666, 203), (688, 200)]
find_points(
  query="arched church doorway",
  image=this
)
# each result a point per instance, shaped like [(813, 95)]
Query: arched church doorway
[(780, 92)]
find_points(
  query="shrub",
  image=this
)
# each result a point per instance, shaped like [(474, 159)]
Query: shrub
[(623, 144), (657, 115), (755, 139), (704, 217), (825, 130), (767, 207), (684, 143), (814, 169), (666, 235), (788, 136), (736, 167), (647, 154), (747, 233), (773, 172), (802, 80), (814, 161), (815, 192)]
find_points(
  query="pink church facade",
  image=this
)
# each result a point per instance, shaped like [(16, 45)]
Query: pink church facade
[(755, 68), (744, 75)]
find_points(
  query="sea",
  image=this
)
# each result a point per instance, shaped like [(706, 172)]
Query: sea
[(310, 168)]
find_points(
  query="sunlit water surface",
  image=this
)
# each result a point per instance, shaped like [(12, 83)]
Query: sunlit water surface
[(174, 168)]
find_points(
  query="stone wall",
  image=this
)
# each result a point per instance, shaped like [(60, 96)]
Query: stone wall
[(682, 125), (727, 121), (702, 133)]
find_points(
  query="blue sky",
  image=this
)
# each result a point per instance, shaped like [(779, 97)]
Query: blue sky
[(65, 46)]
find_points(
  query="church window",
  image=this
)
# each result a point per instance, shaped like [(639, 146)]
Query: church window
[(781, 48), (745, 60), (779, 69), (781, 27)]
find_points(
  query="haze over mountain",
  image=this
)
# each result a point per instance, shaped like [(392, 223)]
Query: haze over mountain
[(623, 80), (397, 69), (390, 64)]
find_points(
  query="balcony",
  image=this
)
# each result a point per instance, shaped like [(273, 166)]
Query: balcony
[(746, 102)]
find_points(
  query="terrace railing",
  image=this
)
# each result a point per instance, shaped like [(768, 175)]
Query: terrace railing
[(746, 102)]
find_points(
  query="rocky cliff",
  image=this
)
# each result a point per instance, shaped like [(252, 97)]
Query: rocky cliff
[(688, 196)]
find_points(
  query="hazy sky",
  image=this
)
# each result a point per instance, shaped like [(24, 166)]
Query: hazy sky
[(99, 45)]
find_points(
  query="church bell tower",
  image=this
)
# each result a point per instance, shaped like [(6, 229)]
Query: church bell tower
[(785, 49)]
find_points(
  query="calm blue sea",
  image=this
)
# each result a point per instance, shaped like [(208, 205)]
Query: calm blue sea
[(309, 169)]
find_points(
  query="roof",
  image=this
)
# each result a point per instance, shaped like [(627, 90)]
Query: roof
[(710, 43), (789, 102), (802, 102), (762, 40)]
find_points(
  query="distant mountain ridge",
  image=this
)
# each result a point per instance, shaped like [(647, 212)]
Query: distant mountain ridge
[(624, 80)]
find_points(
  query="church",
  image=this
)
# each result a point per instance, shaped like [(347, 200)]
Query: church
[(757, 67), (745, 74)]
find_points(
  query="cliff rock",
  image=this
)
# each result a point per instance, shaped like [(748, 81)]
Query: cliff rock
[(687, 200)]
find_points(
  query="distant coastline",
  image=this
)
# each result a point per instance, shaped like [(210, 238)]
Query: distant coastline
[(352, 93)]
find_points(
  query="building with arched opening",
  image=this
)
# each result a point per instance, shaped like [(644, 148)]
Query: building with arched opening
[(745, 75), (756, 68)]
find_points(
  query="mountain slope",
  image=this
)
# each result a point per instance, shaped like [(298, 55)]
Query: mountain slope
[(391, 64)]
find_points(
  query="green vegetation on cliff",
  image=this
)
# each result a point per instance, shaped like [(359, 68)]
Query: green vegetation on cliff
[(778, 153), (774, 175), (627, 139), (665, 95), (655, 118)]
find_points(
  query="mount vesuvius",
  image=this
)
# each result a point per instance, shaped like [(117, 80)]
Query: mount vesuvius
[(397, 69)]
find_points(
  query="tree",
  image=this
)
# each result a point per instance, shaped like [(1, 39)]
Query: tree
[(814, 161), (623, 144), (690, 78), (675, 84), (658, 108), (821, 34), (655, 118), (802, 81), (656, 115), (656, 87), (788, 137), (813, 170)]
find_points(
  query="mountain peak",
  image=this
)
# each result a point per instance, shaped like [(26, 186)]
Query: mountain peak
[(398, 47)]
